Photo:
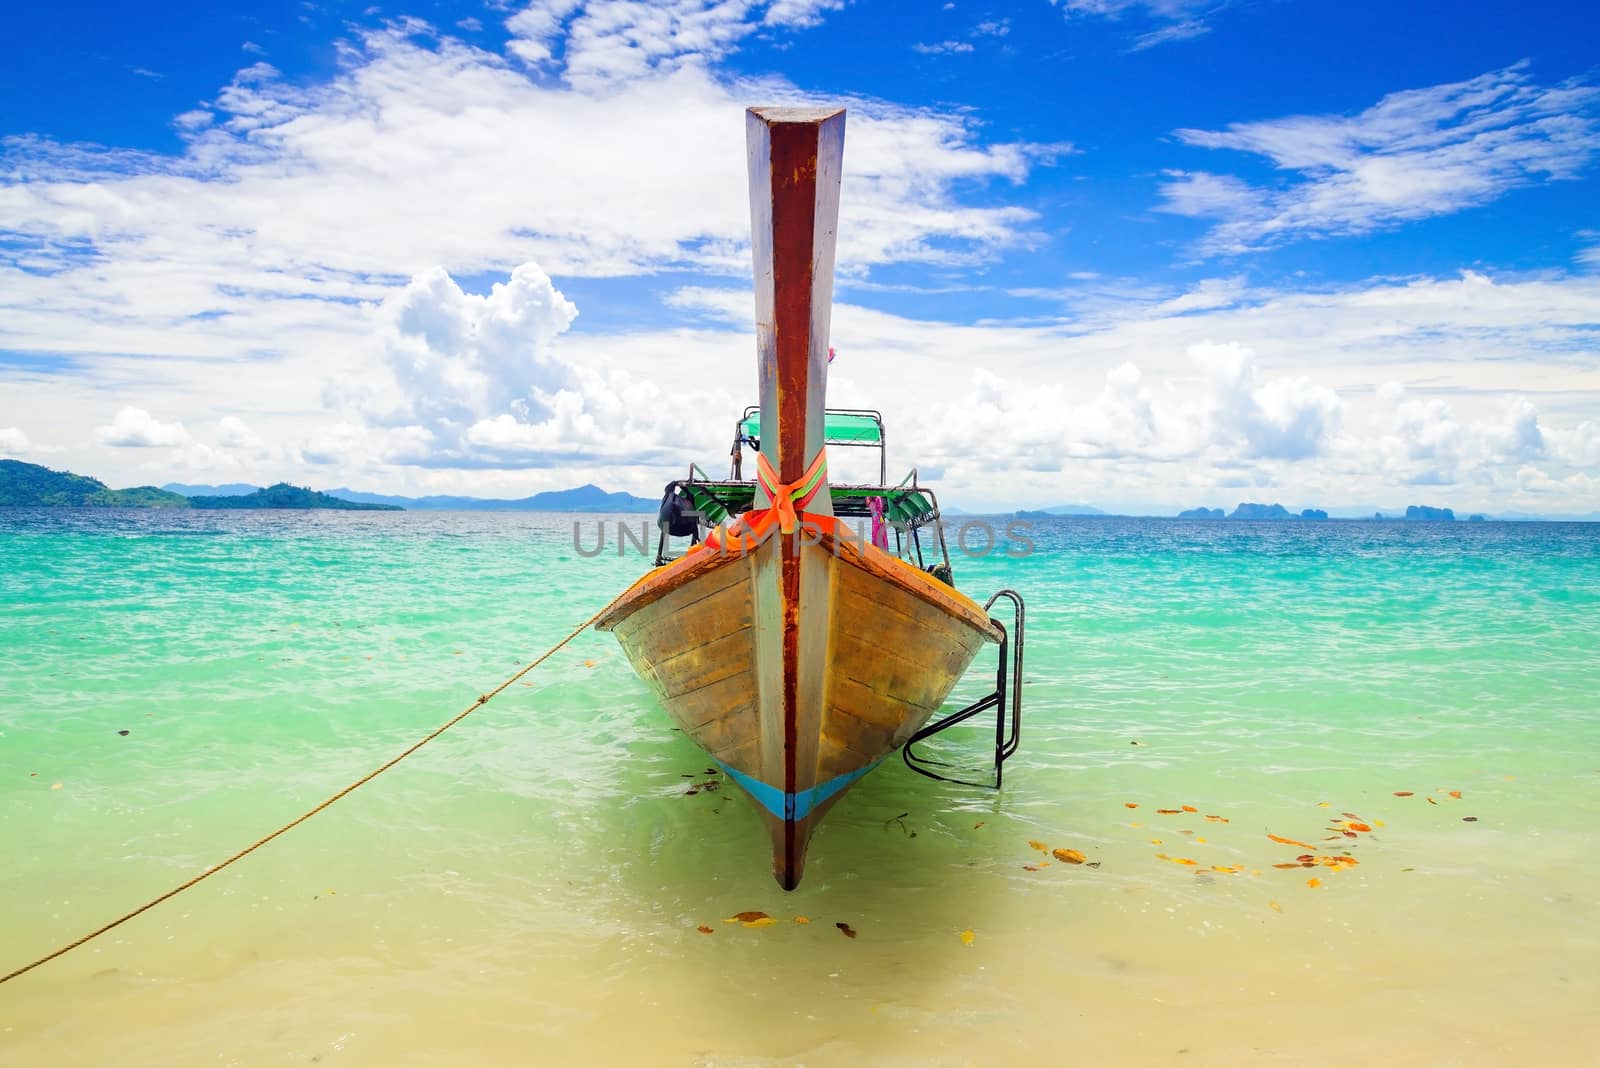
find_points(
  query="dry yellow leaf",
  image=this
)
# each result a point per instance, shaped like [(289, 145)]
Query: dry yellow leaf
[(1068, 856), (745, 917), (967, 936), (1313, 882), (765, 921), (1034, 843), (1274, 906), (802, 919)]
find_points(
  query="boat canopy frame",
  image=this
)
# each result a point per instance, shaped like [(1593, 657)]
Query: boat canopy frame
[(857, 427)]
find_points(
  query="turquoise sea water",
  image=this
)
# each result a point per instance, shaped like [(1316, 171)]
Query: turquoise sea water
[(529, 888)]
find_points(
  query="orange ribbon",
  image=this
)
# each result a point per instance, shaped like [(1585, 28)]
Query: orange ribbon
[(789, 502)]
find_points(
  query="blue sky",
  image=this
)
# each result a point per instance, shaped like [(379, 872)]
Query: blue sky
[(1145, 254)]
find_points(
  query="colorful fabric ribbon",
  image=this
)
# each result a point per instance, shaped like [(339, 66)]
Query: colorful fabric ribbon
[(789, 501)]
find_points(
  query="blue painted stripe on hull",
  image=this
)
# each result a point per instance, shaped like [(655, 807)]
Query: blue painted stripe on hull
[(790, 807)]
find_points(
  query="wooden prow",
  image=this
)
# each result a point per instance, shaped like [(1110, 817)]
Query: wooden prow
[(795, 156)]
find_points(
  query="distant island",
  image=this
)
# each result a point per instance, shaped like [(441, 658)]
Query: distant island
[(1055, 511), (283, 495), (585, 498), (1254, 510), (25, 485), (1248, 510)]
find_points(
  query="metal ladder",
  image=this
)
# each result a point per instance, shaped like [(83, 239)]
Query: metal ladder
[(1003, 698)]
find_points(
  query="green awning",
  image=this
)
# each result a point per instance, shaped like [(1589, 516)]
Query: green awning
[(837, 429)]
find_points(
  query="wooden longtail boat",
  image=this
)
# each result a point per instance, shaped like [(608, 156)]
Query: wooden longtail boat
[(796, 653)]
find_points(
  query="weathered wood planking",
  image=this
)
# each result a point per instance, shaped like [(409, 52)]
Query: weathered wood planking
[(893, 651)]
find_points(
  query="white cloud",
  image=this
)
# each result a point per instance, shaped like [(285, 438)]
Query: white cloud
[(472, 381), (1176, 31), (235, 433), (13, 442), (136, 428), (456, 357), (1414, 154), (1174, 20), (1285, 419), (1590, 256), (299, 191), (943, 48), (1223, 414), (600, 41)]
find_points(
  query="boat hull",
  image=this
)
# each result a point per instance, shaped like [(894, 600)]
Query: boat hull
[(798, 666)]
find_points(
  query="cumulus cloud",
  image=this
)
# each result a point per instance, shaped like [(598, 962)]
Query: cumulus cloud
[(235, 433), (138, 429), (477, 381), (13, 442), (1285, 419), (1412, 155), (1224, 411)]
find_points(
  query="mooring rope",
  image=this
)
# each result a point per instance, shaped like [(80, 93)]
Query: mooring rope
[(482, 700)]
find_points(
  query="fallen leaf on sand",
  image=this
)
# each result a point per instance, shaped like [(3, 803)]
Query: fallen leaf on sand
[(849, 932), (975, 826), (1456, 794), (1359, 827), (1464, 819), (1190, 808), (703, 929), (746, 917), (802, 919), (589, 663), (1313, 882), (1031, 867), (966, 937), (1130, 804), (765, 921), (1168, 811), (1274, 906), (1067, 856), (1217, 819), (1431, 801), (1402, 793), (1036, 844)]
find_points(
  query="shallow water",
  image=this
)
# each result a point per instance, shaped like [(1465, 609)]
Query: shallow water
[(528, 887)]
